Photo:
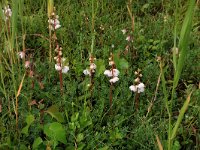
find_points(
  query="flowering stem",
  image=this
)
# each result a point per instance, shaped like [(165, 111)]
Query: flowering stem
[(60, 71), (50, 43), (91, 79), (91, 89), (59, 53), (137, 101), (111, 87)]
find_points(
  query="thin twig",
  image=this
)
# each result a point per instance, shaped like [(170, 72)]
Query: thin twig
[(155, 95)]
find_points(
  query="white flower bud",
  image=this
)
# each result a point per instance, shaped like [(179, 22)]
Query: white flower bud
[(113, 80), (92, 66), (111, 63), (60, 53), (137, 80)]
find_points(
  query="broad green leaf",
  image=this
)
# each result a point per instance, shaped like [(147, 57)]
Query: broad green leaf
[(184, 40), (100, 67), (121, 63), (56, 132), (25, 130), (37, 142), (85, 119), (29, 120), (54, 112), (80, 137)]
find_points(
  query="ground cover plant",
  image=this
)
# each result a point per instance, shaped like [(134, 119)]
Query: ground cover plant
[(90, 74)]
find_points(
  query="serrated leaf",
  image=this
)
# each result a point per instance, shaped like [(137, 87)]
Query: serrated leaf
[(54, 112), (37, 142), (56, 132)]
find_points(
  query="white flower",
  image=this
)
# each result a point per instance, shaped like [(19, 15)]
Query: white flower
[(133, 88), (115, 72), (124, 31), (128, 38), (63, 59), (51, 21), (58, 67), (21, 54), (111, 73), (86, 72), (108, 73), (27, 64), (113, 80), (92, 66), (60, 53), (65, 69), (57, 26), (54, 23), (7, 11), (140, 87), (137, 88)]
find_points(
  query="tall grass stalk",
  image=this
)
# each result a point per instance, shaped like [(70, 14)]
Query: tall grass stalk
[(183, 48), (50, 6), (92, 48)]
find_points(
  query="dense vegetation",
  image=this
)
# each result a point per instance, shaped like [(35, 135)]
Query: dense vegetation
[(110, 74)]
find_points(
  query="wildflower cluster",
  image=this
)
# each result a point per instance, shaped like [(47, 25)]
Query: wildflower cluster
[(21, 55), (61, 64), (92, 68), (128, 38), (7, 12), (113, 72), (54, 23), (138, 86)]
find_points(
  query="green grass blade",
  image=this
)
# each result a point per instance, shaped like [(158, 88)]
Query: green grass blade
[(184, 40), (180, 117)]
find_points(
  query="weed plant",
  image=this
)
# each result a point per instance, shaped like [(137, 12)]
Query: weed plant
[(126, 74)]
